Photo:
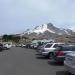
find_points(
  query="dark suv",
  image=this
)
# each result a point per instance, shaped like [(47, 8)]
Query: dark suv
[(1, 47)]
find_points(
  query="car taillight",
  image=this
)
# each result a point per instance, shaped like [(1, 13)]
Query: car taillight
[(59, 53)]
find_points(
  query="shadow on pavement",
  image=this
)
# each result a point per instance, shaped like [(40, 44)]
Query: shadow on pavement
[(38, 54), (55, 63), (63, 73), (1, 50), (41, 57)]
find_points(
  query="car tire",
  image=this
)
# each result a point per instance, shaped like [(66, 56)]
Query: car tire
[(49, 55)]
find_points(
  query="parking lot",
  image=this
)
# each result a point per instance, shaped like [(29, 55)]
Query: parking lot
[(22, 61)]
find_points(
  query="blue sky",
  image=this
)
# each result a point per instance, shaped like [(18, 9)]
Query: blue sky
[(18, 15)]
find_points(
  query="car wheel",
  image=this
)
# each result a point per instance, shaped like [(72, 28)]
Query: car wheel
[(50, 55)]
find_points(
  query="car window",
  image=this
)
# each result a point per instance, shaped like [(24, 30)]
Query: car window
[(48, 45), (67, 48), (58, 45), (55, 45)]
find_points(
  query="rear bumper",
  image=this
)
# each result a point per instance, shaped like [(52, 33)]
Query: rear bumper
[(69, 68), (45, 53)]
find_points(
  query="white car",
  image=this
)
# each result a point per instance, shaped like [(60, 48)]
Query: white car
[(69, 62), (49, 48), (23, 45), (7, 46)]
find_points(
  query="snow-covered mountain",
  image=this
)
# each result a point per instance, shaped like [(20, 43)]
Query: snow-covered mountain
[(49, 28), (42, 29)]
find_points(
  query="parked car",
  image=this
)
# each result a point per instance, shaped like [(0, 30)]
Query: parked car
[(23, 45), (40, 47), (19, 45), (69, 62), (7, 46), (60, 52), (35, 45), (31, 46), (27, 45), (47, 49), (1, 47)]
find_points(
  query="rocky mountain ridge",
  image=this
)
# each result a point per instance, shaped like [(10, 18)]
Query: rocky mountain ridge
[(49, 28)]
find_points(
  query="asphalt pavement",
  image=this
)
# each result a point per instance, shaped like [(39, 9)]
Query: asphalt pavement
[(21, 61)]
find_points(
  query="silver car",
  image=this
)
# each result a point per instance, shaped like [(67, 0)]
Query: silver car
[(49, 48), (69, 62)]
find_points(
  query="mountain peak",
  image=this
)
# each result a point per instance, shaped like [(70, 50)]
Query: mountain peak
[(49, 24), (51, 29), (42, 28)]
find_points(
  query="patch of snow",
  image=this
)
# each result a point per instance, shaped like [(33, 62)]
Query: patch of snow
[(51, 31), (66, 32)]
